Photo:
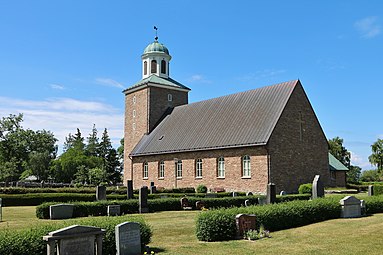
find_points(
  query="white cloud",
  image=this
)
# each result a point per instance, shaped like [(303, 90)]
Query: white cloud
[(198, 78), (64, 115), (360, 161), (57, 86), (368, 27), (109, 82)]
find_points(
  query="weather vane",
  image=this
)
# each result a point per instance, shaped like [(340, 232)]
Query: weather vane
[(156, 28)]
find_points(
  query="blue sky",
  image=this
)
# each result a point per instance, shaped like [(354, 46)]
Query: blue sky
[(64, 64)]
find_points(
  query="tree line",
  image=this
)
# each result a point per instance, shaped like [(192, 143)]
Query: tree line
[(89, 160), (355, 175)]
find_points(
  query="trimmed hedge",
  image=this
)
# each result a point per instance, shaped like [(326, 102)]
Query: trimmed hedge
[(32, 199), (219, 225), (378, 190), (31, 241)]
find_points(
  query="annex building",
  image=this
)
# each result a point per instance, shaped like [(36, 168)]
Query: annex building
[(239, 142)]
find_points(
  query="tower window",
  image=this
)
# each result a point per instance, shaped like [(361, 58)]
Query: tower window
[(163, 66), (134, 113), (134, 126), (153, 68), (170, 97), (145, 67), (246, 169), (134, 99), (221, 167)]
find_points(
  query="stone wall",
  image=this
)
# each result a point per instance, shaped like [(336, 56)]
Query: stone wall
[(233, 180), (298, 147)]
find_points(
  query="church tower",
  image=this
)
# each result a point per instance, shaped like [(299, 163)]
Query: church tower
[(149, 101)]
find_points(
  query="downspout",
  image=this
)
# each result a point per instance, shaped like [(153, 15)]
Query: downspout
[(131, 168), (268, 166)]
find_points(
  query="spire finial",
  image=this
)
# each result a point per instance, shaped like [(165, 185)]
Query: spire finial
[(156, 38)]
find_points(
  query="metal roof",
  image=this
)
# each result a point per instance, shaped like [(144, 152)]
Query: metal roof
[(335, 164), (236, 120), (154, 79)]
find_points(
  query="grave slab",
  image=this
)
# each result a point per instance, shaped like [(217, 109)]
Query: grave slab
[(61, 211), (128, 238)]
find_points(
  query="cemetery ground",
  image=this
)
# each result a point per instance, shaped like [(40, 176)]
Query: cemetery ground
[(174, 233)]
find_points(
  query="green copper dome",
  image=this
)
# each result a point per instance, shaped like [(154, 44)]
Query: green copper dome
[(156, 47)]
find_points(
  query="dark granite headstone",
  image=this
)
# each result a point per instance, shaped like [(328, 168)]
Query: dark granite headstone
[(244, 223), (185, 204), (247, 202), (370, 190), (61, 211), (128, 238), (143, 200), (283, 193), (114, 210), (199, 205), (129, 191), (271, 193), (101, 193), (153, 189), (318, 188), (249, 193)]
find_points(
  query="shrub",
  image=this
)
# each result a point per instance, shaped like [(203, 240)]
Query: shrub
[(31, 242), (218, 225), (378, 190), (201, 188), (305, 188)]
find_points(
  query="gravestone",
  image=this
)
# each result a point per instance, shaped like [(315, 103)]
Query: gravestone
[(318, 187), (128, 238), (351, 207), (283, 193), (244, 223), (60, 211), (249, 193), (151, 184), (100, 193), (185, 204), (271, 194), (370, 190), (114, 210), (363, 208), (1, 210), (129, 190), (75, 240), (143, 200), (211, 195), (153, 189), (164, 196), (199, 205), (234, 194), (247, 202)]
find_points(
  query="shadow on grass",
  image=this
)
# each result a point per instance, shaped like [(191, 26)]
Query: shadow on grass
[(155, 249)]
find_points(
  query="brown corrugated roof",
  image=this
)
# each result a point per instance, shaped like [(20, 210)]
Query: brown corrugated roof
[(242, 119)]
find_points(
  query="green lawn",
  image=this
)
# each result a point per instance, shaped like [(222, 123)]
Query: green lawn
[(173, 233)]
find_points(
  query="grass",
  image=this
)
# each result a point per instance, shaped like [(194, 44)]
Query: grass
[(173, 233)]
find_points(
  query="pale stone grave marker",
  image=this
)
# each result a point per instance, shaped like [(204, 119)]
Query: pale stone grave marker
[(61, 211), (271, 193), (101, 193), (143, 200), (351, 207), (318, 187), (114, 210), (75, 240), (128, 238), (244, 223)]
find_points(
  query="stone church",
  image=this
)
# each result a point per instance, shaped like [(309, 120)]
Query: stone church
[(239, 142)]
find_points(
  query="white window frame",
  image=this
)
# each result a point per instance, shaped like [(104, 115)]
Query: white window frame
[(221, 167), (198, 168), (246, 166), (170, 97), (161, 170), (179, 169), (145, 170)]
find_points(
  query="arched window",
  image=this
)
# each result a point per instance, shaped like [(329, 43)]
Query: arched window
[(170, 97), (221, 167), (198, 168), (246, 168), (163, 66), (134, 100), (145, 170), (161, 169), (134, 113), (145, 67), (153, 68), (179, 168)]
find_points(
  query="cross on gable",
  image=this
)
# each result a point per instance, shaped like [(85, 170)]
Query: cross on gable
[(301, 122)]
